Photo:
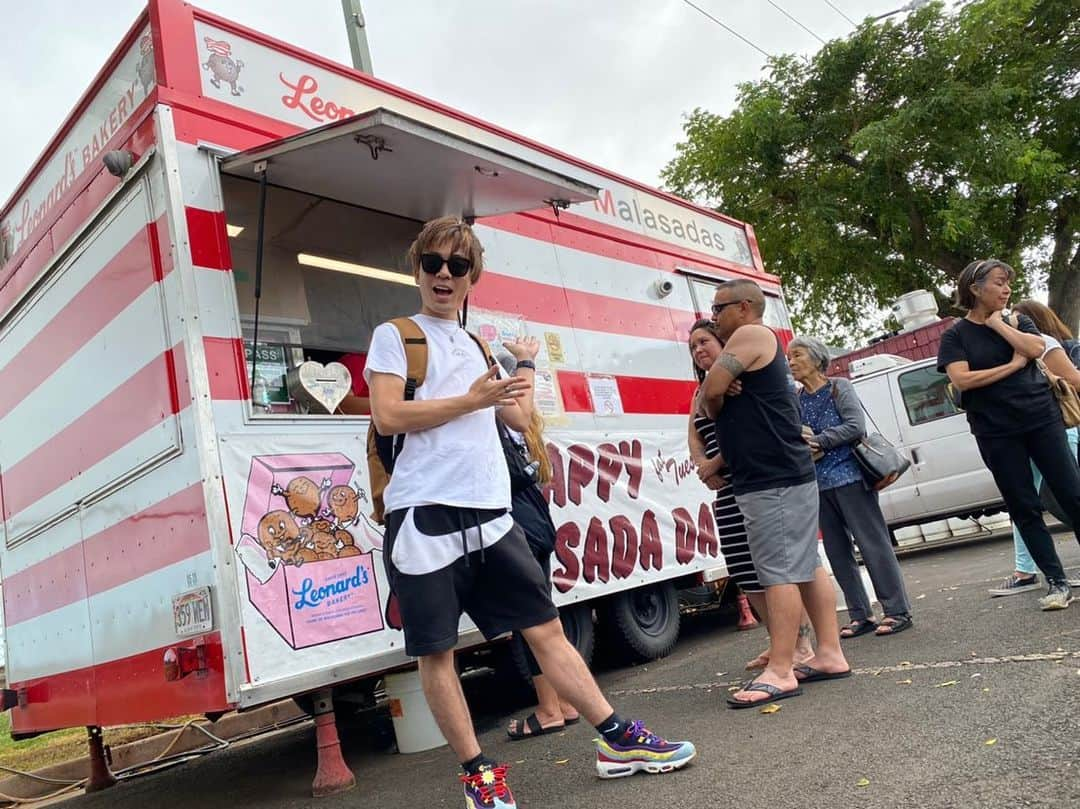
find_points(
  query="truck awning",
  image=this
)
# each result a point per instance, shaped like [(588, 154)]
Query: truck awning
[(387, 162)]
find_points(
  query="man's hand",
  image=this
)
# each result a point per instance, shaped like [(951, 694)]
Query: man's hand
[(735, 388), (490, 391), (523, 348)]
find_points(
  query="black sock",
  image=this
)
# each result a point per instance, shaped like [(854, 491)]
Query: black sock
[(613, 728), (473, 765)]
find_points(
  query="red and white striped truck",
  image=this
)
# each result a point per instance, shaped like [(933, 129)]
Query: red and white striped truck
[(158, 457)]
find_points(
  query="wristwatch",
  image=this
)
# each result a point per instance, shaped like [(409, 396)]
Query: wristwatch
[(526, 364)]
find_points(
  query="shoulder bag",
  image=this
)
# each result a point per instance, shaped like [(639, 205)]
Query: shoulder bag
[(880, 462), (1065, 395)]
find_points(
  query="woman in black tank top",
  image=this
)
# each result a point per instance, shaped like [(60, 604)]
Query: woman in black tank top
[(705, 347)]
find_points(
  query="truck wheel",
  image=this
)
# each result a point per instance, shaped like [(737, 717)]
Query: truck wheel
[(646, 619), (577, 621)]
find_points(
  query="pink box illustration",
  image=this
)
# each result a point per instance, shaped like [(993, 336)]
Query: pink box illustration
[(306, 574)]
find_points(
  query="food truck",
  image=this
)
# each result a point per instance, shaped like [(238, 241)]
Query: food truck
[(222, 218)]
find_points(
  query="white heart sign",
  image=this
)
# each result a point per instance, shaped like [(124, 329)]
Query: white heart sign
[(320, 387)]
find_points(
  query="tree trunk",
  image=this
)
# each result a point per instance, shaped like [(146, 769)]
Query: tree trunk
[(1064, 277)]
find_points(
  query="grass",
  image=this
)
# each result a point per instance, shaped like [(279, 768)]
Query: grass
[(61, 745)]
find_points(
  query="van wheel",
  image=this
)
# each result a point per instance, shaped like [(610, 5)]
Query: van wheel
[(577, 621), (646, 620)]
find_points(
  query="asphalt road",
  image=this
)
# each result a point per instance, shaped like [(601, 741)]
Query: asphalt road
[(976, 706)]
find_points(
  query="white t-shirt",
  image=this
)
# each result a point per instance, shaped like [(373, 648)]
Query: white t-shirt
[(1052, 343), (460, 463)]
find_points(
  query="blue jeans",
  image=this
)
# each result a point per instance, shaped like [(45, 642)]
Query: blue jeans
[(1024, 563)]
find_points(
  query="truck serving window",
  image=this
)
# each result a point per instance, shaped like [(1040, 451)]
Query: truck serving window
[(702, 290), (342, 203), (924, 395)]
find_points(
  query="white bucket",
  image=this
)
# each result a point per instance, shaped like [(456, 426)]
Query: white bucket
[(934, 531), (909, 535), (414, 724), (963, 528)]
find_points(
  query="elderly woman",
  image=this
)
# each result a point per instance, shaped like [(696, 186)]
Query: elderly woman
[(849, 508), (1011, 412)]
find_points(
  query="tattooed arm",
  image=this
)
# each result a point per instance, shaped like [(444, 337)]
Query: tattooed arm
[(742, 352)]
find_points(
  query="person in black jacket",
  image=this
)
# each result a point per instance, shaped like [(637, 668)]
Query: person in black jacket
[(1011, 411)]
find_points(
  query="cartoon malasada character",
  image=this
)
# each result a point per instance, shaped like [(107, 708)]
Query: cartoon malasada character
[(302, 496), (222, 67), (346, 544), (325, 545), (278, 534), (344, 504)]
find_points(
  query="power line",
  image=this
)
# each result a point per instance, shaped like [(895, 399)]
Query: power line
[(730, 30), (842, 14), (807, 30)]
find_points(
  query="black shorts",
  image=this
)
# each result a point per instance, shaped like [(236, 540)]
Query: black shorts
[(501, 588)]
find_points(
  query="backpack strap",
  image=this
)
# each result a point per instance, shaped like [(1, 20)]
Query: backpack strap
[(488, 357), (416, 354)]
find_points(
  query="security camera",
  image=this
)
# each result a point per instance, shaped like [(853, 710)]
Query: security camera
[(664, 287), (118, 162)]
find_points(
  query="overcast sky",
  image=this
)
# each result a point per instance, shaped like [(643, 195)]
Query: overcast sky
[(607, 81)]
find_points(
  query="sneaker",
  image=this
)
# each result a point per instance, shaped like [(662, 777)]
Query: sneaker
[(1016, 584), (487, 788), (640, 750), (1057, 597)]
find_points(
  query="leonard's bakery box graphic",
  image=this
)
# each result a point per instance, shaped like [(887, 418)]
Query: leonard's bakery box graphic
[(307, 548)]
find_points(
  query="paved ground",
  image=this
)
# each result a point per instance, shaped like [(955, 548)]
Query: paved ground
[(979, 670)]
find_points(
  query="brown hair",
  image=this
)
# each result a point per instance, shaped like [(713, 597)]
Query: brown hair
[(447, 230), (708, 326), (974, 274), (534, 442), (1045, 319)]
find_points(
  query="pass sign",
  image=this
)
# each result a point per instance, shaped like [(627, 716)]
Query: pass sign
[(191, 612)]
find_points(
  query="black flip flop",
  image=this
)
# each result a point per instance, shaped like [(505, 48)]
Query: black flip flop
[(535, 729), (574, 721), (812, 675), (773, 691), (899, 624), (857, 628)]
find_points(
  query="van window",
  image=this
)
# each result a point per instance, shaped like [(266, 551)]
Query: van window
[(924, 395)]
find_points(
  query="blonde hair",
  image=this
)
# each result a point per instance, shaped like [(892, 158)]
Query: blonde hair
[(534, 442), (452, 231)]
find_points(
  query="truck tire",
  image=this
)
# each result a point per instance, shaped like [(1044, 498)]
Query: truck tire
[(577, 621), (645, 620)]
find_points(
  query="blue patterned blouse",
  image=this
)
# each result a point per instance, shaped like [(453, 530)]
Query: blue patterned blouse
[(837, 467)]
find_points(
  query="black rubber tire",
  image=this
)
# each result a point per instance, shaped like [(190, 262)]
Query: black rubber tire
[(577, 621), (645, 620)]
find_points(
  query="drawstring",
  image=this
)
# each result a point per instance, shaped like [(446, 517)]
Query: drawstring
[(464, 535)]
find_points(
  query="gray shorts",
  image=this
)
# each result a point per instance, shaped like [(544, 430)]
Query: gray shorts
[(782, 531)]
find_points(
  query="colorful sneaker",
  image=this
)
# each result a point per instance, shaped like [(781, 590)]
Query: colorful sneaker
[(487, 789), (640, 750), (1016, 584)]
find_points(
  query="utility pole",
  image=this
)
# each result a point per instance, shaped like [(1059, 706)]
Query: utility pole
[(354, 25)]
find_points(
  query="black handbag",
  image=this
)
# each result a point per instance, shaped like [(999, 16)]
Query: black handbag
[(881, 463)]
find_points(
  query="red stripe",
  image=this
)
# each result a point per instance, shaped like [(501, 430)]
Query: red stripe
[(127, 275), (163, 534), (227, 368), (209, 242), (559, 306), (132, 689), (140, 403), (640, 395)]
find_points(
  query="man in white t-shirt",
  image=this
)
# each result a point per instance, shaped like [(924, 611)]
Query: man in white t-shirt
[(451, 545)]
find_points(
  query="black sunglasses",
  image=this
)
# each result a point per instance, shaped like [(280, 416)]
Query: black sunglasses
[(717, 308), (431, 263)]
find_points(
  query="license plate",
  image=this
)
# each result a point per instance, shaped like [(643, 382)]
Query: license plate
[(191, 612)]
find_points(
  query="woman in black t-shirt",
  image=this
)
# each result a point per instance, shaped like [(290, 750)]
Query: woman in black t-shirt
[(1011, 411)]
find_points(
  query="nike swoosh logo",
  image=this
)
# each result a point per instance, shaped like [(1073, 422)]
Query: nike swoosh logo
[(491, 530)]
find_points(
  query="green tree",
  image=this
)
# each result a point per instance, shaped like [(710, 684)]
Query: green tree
[(895, 156)]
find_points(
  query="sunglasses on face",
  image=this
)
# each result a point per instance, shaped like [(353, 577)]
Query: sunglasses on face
[(431, 263), (717, 308)]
